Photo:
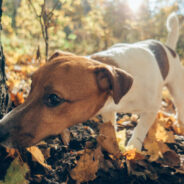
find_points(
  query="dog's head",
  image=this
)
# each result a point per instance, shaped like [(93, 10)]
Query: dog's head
[(67, 90)]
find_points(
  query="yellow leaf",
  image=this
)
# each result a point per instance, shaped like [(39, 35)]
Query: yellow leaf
[(155, 149), (133, 154), (158, 135), (163, 135), (38, 156), (121, 139)]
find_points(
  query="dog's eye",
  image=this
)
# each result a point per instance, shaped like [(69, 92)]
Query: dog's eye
[(53, 100)]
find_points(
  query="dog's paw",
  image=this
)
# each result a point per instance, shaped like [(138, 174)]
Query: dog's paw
[(135, 143)]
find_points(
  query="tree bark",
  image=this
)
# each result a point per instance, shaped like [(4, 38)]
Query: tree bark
[(3, 87)]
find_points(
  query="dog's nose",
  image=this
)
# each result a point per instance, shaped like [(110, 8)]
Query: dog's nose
[(3, 134)]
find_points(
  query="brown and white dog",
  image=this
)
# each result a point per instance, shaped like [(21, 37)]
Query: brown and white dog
[(71, 89)]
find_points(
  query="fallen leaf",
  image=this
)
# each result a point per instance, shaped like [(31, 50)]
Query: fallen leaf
[(134, 155), (11, 152), (38, 156), (121, 139), (141, 168), (107, 139), (155, 149), (171, 158), (161, 134), (17, 98), (16, 173), (65, 135), (87, 166), (158, 135)]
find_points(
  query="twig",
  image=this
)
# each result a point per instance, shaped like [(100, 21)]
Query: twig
[(44, 19)]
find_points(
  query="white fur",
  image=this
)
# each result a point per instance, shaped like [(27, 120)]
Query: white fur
[(144, 97), (173, 29)]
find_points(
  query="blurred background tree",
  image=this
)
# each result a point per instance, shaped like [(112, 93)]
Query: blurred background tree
[(3, 87), (86, 26)]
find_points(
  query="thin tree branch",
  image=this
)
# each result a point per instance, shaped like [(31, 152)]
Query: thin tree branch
[(44, 19)]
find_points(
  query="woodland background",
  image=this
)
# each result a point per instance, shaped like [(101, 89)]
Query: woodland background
[(83, 26), (32, 31)]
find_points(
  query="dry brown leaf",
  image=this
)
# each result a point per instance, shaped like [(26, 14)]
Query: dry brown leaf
[(141, 168), (107, 139), (38, 156), (170, 122), (17, 99), (65, 135), (163, 135), (171, 158), (87, 166), (155, 149), (134, 155), (158, 135), (12, 152)]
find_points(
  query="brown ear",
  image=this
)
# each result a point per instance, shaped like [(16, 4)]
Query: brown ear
[(60, 53), (113, 79)]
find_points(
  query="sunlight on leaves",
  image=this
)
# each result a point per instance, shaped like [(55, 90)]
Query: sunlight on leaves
[(133, 154), (121, 139)]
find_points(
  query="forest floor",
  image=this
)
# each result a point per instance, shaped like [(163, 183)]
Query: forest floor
[(91, 155)]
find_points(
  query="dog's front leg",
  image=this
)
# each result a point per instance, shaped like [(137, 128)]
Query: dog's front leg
[(110, 117), (141, 130)]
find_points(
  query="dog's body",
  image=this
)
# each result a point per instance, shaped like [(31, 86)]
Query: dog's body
[(153, 65), (144, 97), (94, 85)]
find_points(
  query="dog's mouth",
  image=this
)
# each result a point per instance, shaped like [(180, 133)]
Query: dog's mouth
[(22, 141)]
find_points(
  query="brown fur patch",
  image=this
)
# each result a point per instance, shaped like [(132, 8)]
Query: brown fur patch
[(105, 60), (60, 53), (161, 57), (173, 53)]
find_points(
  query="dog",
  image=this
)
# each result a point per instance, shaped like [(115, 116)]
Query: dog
[(71, 89)]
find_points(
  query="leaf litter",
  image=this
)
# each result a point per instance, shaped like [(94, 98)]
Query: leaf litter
[(94, 153)]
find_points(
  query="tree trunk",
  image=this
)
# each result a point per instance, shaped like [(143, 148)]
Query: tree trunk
[(3, 88)]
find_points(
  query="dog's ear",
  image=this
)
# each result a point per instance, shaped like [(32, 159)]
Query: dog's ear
[(60, 53), (113, 79)]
